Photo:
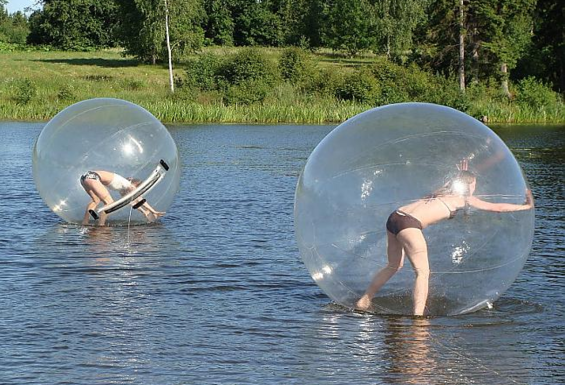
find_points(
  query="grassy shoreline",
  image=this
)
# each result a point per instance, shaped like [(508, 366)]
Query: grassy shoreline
[(36, 85)]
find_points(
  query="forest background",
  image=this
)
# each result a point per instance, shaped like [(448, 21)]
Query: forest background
[(300, 61)]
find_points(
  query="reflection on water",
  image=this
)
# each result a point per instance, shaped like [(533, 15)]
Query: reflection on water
[(407, 350), (216, 292), (410, 350)]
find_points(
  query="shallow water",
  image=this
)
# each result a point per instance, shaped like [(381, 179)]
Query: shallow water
[(216, 292)]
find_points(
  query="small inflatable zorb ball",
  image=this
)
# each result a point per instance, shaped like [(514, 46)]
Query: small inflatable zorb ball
[(385, 158), (108, 135)]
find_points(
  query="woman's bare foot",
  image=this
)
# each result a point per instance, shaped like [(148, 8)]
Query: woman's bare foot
[(363, 303), (153, 216)]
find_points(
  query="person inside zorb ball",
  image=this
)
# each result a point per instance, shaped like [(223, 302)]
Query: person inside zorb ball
[(99, 157), (420, 182), (96, 185)]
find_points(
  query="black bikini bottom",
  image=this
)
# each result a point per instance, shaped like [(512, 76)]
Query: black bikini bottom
[(90, 175), (398, 221)]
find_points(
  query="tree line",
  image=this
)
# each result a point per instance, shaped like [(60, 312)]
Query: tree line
[(474, 41)]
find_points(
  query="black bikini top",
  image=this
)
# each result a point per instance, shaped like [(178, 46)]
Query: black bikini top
[(451, 212)]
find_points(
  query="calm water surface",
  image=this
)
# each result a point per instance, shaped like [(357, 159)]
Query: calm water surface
[(216, 293)]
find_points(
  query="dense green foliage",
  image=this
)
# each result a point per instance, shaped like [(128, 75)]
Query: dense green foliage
[(348, 27), (296, 65), (142, 27), (74, 24), (243, 78), (455, 52), (250, 76), (13, 28), (241, 85), (545, 57), (396, 22), (502, 40)]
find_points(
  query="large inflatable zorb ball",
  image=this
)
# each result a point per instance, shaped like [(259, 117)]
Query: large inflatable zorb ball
[(108, 135), (385, 158)]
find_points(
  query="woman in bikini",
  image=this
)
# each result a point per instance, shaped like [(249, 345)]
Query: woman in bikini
[(97, 184), (405, 237)]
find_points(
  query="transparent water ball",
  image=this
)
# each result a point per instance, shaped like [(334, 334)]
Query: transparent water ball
[(387, 157), (108, 135)]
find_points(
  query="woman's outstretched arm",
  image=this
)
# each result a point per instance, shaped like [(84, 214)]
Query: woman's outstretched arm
[(501, 207)]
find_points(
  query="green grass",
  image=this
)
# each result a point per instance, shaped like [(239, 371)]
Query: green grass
[(35, 85), (63, 78)]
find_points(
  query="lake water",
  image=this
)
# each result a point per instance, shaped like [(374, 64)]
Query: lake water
[(216, 292)]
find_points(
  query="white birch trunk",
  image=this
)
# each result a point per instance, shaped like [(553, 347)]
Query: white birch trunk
[(461, 47), (505, 89), (171, 82)]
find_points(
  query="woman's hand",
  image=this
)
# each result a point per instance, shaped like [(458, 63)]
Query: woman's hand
[(463, 165), (529, 198)]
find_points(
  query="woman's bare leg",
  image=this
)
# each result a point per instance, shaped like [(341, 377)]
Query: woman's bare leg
[(98, 192), (150, 213), (416, 250), (91, 206), (156, 213), (395, 257)]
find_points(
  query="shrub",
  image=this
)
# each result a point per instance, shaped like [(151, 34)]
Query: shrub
[(202, 73), (454, 98), (445, 92), (392, 82), (535, 94), (236, 76), (248, 65), (66, 92), (410, 84), (418, 83), (24, 90), (359, 86), (386, 72), (10, 47), (247, 92), (295, 65), (390, 93), (477, 90), (324, 83)]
